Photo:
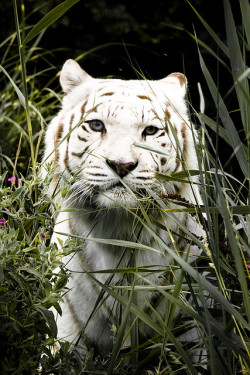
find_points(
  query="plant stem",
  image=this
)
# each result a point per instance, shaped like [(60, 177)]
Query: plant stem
[(23, 71)]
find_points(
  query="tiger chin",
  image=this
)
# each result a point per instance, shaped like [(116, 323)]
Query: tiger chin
[(111, 137)]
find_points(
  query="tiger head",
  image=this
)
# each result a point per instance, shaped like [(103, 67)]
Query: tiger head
[(114, 135)]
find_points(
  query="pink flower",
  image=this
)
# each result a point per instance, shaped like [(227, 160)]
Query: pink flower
[(43, 235), (2, 222), (19, 181), (12, 179)]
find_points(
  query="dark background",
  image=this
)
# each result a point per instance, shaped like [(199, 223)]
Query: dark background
[(126, 33)]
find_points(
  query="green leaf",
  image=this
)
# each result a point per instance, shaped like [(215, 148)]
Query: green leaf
[(60, 284), (50, 18), (31, 270), (49, 317), (18, 91)]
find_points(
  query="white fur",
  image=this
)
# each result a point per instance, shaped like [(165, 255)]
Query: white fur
[(105, 213)]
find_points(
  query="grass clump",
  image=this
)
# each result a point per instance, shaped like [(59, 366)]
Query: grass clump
[(30, 282)]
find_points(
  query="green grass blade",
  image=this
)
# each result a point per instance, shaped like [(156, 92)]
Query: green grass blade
[(121, 332), (226, 119), (198, 277), (50, 18), (17, 90), (215, 127), (245, 12), (25, 88), (114, 242), (231, 341), (238, 65), (133, 308), (235, 247), (182, 263), (222, 46)]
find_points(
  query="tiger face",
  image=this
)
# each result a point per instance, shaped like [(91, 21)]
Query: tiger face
[(114, 135)]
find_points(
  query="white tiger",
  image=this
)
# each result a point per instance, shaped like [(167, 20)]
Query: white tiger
[(111, 137)]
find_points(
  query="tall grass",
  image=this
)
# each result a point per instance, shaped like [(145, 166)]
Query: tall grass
[(30, 283)]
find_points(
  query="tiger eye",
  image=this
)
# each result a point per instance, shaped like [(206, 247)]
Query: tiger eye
[(150, 130), (96, 125)]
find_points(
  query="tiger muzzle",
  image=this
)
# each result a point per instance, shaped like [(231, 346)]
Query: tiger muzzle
[(121, 169)]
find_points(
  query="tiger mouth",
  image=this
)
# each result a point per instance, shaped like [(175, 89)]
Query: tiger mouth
[(119, 188), (119, 185)]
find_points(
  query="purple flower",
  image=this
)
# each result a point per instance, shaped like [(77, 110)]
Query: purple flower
[(249, 267), (2, 222), (43, 235), (12, 179), (19, 181)]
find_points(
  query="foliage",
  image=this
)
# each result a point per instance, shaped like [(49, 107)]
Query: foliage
[(31, 282)]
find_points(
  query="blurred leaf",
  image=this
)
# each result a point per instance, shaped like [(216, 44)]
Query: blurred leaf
[(50, 18), (31, 270), (1, 273)]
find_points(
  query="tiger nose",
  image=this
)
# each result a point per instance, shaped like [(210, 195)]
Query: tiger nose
[(122, 169)]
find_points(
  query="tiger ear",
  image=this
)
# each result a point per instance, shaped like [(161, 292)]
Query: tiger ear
[(72, 75), (178, 81)]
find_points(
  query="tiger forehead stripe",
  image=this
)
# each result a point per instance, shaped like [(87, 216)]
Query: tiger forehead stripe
[(83, 109), (107, 94), (144, 97)]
